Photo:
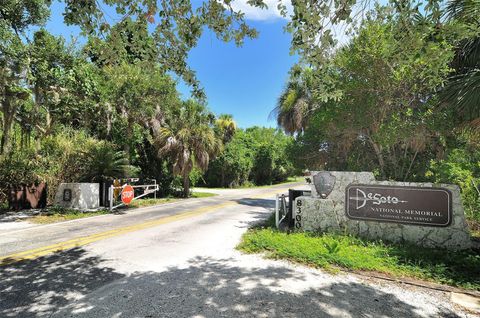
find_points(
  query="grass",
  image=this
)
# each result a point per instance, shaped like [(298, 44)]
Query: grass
[(252, 185), (289, 180), (333, 252), (203, 195), (474, 226), (64, 215), (149, 202)]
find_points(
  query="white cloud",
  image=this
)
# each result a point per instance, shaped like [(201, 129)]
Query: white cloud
[(254, 13)]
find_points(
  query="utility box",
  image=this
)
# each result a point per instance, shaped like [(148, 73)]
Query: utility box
[(83, 196)]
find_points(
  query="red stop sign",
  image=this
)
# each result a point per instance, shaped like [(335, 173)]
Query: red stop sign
[(127, 194)]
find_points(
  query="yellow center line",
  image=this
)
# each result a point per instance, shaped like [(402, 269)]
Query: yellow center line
[(80, 241)]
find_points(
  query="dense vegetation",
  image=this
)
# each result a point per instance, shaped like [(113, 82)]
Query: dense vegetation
[(110, 108), (400, 98), (254, 156)]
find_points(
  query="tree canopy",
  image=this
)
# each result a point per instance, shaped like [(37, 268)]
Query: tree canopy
[(398, 98)]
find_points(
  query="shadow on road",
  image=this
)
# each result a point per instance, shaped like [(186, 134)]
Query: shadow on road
[(204, 287), (40, 287), (256, 216), (264, 203)]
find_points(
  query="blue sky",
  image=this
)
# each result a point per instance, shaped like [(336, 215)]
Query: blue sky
[(245, 81)]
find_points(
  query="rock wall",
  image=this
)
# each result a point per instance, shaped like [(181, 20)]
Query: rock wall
[(84, 196), (328, 215)]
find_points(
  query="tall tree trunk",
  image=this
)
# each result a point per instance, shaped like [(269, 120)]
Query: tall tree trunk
[(410, 166), (186, 185), (109, 121), (126, 146), (5, 143), (8, 116), (404, 160), (378, 152), (44, 131), (222, 181), (36, 109)]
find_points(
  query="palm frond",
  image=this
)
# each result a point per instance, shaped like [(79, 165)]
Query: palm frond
[(105, 163), (294, 104), (465, 10), (463, 93)]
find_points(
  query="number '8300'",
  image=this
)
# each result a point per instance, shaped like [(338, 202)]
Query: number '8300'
[(298, 215)]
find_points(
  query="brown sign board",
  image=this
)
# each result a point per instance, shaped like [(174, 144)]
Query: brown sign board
[(33, 196), (407, 205)]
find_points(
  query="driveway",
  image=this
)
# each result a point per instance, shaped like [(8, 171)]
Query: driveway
[(179, 260)]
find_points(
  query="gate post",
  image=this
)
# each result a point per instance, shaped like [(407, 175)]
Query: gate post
[(110, 197), (277, 212)]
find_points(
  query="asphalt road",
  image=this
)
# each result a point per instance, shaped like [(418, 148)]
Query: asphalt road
[(178, 260)]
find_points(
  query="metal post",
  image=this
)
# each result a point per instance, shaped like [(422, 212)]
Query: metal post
[(155, 193), (276, 211), (110, 197)]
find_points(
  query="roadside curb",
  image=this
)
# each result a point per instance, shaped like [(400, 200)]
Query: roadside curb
[(416, 283)]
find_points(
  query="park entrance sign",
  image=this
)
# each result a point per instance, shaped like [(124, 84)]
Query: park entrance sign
[(423, 214), (407, 205)]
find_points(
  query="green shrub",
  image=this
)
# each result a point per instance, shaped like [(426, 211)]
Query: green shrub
[(232, 167), (18, 168), (56, 209), (195, 176), (64, 158), (256, 155), (461, 167), (264, 164)]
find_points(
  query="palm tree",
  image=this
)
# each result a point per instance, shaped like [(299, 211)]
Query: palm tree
[(463, 90), (106, 163), (226, 127), (189, 141), (294, 104)]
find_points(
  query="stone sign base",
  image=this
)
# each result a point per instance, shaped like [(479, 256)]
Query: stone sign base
[(83, 196), (328, 215)]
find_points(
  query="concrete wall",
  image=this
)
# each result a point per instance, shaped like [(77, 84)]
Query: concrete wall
[(85, 196), (328, 215)]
